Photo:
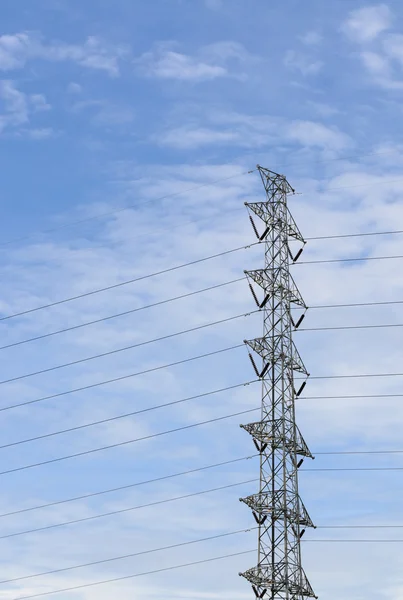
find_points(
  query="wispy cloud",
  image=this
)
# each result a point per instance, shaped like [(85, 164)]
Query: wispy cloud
[(211, 62), (16, 50), (365, 24), (302, 63), (18, 107), (249, 131)]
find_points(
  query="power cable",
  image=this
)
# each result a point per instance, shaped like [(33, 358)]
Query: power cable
[(192, 542), (125, 415), (354, 304), (126, 577), (140, 308), (155, 435), (130, 375), (129, 207), (344, 327), (127, 282), (354, 376), (181, 266), (125, 443), (132, 555), (174, 475), (125, 510), (121, 314), (337, 260), (124, 208), (121, 378), (126, 348), (351, 235), (128, 486)]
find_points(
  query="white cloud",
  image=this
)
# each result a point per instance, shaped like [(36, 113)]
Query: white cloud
[(251, 131), (365, 24), (311, 134), (39, 134), (195, 137), (74, 88), (302, 63), (311, 38), (16, 50), (17, 109), (39, 102), (211, 62)]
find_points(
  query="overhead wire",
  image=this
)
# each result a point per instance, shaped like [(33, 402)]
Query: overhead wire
[(166, 196), (192, 542), (128, 486), (180, 362), (125, 510), (127, 282), (140, 308), (126, 577), (354, 304), (341, 260), (125, 208), (126, 415), (176, 267), (152, 436), (124, 443), (346, 327), (121, 378), (175, 475), (121, 314), (132, 555), (126, 348)]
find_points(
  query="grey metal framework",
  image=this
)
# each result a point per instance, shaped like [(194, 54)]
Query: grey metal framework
[(277, 507)]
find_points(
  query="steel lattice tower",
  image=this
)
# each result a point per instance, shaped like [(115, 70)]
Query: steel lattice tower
[(277, 507)]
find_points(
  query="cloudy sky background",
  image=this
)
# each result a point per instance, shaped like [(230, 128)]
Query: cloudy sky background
[(162, 111)]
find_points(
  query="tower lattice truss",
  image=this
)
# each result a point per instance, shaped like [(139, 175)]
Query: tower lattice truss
[(277, 507)]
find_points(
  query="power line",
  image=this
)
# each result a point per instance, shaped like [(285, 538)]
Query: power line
[(343, 327), (125, 510), (132, 555), (192, 542), (121, 314), (127, 282), (140, 308), (125, 443), (181, 266), (362, 452), (337, 260), (128, 486), (351, 235), (174, 475), (174, 194), (359, 527), (125, 415), (125, 348), (121, 378), (94, 423), (355, 376), (122, 209), (352, 541), (114, 580), (132, 508), (352, 397), (351, 305), (130, 375)]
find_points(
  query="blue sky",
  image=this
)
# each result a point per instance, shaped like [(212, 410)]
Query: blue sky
[(106, 106)]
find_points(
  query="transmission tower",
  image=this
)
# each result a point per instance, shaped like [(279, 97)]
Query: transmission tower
[(277, 507)]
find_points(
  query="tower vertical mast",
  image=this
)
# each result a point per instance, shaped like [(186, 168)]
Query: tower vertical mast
[(277, 507)]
